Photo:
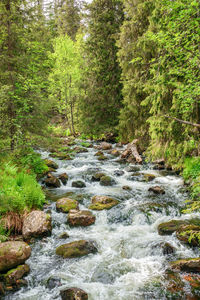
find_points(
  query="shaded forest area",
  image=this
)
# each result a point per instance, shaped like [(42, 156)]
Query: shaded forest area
[(69, 68)]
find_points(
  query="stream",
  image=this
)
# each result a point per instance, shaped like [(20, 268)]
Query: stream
[(130, 263)]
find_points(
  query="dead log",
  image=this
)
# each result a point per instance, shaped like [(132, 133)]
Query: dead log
[(132, 150)]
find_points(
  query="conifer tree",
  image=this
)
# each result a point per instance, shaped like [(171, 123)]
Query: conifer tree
[(101, 104)]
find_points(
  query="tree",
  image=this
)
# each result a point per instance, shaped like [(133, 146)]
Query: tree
[(101, 104), (23, 68), (65, 77), (134, 57)]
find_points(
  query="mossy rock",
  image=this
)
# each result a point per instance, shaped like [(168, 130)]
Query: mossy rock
[(132, 169), (80, 150), (76, 249), (61, 156), (51, 164), (15, 274), (65, 204), (78, 184), (115, 152), (52, 182), (63, 235), (189, 234), (149, 177), (186, 265), (97, 176), (168, 228), (63, 178), (87, 145), (102, 157), (99, 153), (103, 202), (106, 181), (126, 188)]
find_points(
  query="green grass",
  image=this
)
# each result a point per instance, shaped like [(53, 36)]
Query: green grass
[(19, 190)]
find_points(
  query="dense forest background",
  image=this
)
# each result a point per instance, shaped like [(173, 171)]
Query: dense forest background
[(130, 68)]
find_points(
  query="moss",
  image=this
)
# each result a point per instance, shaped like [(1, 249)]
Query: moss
[(76, 249), (101, 206), (65, 204), (149, 177), (106, 180), (102, 157)]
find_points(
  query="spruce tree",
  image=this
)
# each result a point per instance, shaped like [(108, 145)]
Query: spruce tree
[(101, 104)]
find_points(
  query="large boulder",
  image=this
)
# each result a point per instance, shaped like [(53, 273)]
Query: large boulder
[(80, 218), (76, 249), (78, 184), (186, 265), (73, 293), (36, 224), (51, 164), (52, 181), (63, 178), (13, 275), (65, 204), (102, 202), (13, 254)]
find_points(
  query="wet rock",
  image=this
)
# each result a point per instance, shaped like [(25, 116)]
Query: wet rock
[(168, 228), (106, 181), (132, 169), (99, 153), (103, 202), (186, 265), (13, 275), (65, 204), (105, 146), (159, 167), (167, 249), (118, 172), (61, 156), (189, 234), (76, 249), (36, 224), (78, 184), (127, 188), (51, 164), (13, 254), (157, 190), (53, 282), (149, 177), (102, 157), (80, 149), (63, 178), (174, 283), (52, 181), (97, 176), (73, 293), (80, 218), (115, 152), (64, 235), (160, 161)]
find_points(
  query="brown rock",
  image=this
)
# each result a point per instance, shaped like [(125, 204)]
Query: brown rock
[(73, 294), (51, 164), (105, 146), (80, 218), (115, 152), (13, 275), (156, 190), (63, 178), (52, 181), (13, 254), (186, 265), (102, 202), (36, 224)]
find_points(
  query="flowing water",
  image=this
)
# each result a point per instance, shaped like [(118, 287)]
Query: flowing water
[(130, 261)]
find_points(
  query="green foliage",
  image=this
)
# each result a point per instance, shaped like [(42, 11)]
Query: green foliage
[(19, 190), (33, 162), (191, 168), (3, 234)]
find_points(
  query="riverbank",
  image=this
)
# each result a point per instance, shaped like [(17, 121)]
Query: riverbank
[(132, 257)]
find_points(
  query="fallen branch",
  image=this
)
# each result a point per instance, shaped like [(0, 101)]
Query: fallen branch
[(132, 150), (181, 121)]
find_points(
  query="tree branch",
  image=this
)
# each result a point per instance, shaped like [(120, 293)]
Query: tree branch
[(181, 121)]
